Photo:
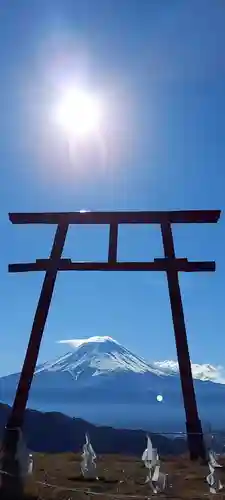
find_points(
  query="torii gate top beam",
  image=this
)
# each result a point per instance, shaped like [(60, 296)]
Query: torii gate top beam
[(137, 217)]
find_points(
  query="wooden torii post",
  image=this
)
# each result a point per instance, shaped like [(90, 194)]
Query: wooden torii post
[(169, 264)]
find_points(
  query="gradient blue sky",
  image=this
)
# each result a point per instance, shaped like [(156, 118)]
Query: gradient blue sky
[(159, 68)]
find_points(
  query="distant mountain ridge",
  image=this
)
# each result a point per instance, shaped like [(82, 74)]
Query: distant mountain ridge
[(204, 372), (55, 433)]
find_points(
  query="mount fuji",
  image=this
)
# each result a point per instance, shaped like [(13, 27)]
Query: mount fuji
[(105, 383)]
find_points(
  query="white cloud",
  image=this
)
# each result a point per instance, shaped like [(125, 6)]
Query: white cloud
[(78, 342)]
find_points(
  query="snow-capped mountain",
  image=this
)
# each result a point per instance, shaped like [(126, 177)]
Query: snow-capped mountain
[(102, 381), (113, 356), (98, 355)]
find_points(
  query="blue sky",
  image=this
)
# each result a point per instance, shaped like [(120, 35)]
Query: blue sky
[(159, 67)]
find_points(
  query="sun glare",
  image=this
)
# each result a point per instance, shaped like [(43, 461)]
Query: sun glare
[(78, 113)]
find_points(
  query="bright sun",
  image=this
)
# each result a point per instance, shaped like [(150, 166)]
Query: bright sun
[(78, 113)]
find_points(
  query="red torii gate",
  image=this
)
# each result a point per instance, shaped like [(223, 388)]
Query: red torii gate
[(169, 264)]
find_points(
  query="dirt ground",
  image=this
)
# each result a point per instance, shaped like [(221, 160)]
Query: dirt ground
[(118, 476)]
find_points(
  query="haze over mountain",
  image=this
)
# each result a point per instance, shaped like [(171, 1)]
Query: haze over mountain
[(105, 383)]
